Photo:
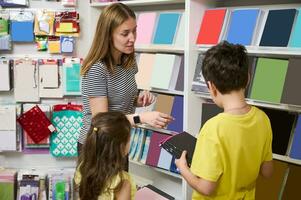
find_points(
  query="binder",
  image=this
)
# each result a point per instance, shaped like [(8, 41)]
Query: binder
[(176, 144)]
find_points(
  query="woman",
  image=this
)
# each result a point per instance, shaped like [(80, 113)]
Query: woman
[(109, 70)]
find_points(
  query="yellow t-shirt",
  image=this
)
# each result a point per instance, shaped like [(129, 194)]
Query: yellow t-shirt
[(115, 182), (230, 150)]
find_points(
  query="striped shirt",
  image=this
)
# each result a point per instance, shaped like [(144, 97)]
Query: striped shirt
[(120, 88)]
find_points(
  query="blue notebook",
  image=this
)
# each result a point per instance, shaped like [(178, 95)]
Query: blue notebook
[(177, 113), (296, 146), (278, 27), (296, 33), (242, 26), (166, 28), (22, 31)]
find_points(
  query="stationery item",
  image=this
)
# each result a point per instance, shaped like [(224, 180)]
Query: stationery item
[(199, 83), (166, 28), (180, 79), (26, 81), (67, 44), (5, 73), (164, 103), (176, 144), (67, 23), (141, 141), (273, 70), (292, 81), (163, 69), (14, 3), (180, 37), (67, 118), (50, 75), (274, 184), (291, 188), (146, 147), (165, 159), (177, 113), (154, 148), (4, 17), (295, 40), (7, 184), (8, 138), (41, 43), (54, 44), (71, 69), (44, 21), (295, 151), (145, 27), (145, 68), (282, 123), (246, 18), (21, 26), (151, 192), (278, 27), (5, 42), (212, 26), (36, 124)]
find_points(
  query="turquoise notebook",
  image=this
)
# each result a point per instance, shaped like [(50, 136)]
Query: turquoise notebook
[(296, 33), (166, 28)]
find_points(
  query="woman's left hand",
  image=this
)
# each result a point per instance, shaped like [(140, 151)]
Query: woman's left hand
[(145, 98)]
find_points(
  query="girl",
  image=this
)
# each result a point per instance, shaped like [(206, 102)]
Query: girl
[(100, 173)]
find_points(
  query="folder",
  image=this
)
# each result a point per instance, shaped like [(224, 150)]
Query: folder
[(295, 40), (295, 151), (145, 27), (145, 69), (212, 26), (269, 79), (4, 75), (154, 148), (177, 113), (26, 81), (8, 137), (282, 123), (246, 18), (166, 28), (278, 27), (163, 70), (176, 144), (292, 82)]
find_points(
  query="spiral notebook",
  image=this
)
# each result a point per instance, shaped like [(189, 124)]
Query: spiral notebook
[(176, 144)]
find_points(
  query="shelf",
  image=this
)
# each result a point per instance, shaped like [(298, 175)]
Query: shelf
[(167, 132), (140, 3), (264, 51), (286, 159), (253, 102), (152, 48), (157, 169)]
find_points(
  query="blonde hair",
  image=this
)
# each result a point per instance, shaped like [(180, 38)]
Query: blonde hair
[(110, 18)]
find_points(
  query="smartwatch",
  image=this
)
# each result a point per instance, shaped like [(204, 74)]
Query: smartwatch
[(136, 119)]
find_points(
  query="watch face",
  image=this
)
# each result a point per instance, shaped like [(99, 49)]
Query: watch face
[(136, 119)]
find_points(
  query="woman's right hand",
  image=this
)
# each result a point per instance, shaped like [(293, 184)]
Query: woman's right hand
[(156, 119)]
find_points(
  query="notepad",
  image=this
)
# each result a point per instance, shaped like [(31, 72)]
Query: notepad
[(295, 40), (145, 27), (176, 144), (166, 28), (291, 94), (242, 26), (278, 27), (211, 26), (269, 79)]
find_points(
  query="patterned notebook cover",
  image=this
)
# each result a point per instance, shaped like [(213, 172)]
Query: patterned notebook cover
[(36, 124)]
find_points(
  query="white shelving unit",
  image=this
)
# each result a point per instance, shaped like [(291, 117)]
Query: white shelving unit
[(140, 3), (159, 49)]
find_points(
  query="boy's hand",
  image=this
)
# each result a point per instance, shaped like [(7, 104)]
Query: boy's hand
[(181, 162)]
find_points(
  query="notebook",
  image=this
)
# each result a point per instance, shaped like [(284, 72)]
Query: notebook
[(145, 27), (211, 27), (176, 144), (151, 192), (295, 40), (278, 27)]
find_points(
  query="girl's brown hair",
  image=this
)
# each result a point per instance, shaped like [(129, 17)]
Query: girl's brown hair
[(103, 156), (110, 18)]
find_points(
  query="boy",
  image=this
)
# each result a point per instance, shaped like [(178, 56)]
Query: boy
[(236, 145)]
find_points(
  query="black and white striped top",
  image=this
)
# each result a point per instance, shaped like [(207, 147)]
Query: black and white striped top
[(120, 88)]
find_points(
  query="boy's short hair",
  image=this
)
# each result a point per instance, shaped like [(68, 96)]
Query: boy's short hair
[(226, 66)]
